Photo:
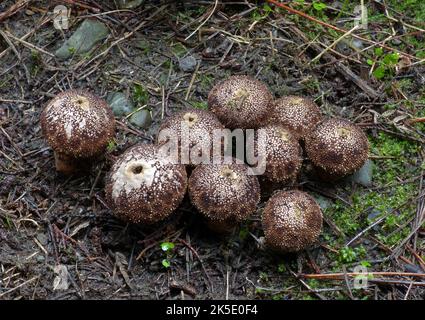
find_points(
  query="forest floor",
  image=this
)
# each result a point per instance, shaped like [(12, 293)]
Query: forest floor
[(58, 239)]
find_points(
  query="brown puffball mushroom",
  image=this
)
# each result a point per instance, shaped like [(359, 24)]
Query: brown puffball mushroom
[(282, 153), (337, 148), (225, 194), (292, 221), (78, 126), (144, 185), (241, 102), (298, 114), (193, 131)]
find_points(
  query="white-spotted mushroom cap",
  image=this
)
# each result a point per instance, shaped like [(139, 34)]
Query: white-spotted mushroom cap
[(193, 131), (78, 124), (298, 114), (224, 192), (282, 152), (337, 147), (292, 221), (241, 102), (144, 185)]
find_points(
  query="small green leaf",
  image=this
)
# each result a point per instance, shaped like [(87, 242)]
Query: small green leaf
[(256, 15), (243, 233), (379, 51), (319, 6), (390, 221), (140, 95), (111, 146), (167, 246), (200, 105), (179, 50), (259, 290), (365, 264), (369, 62), (391, 59), (166, 263), (347, 255), (267, 8), (379, 72)]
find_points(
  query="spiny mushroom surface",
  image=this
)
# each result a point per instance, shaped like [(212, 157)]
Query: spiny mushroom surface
[(292, 221), (144, 185), (224, 192), (77, 124), (298, 114), (193, 130), (337, 147), (282, 153), (241, 102)]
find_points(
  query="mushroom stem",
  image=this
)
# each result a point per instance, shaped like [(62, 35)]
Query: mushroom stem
[(64, 163), (268, 187), (68, 165), (223, 227), (327, 176)]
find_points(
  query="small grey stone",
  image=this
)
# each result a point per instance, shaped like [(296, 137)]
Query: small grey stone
[(374, 214), (363, 176), (129, 4), (141, 119), (412, 268), (338, 5), (40, 258), (396, 41), (187, 64), (120, 104), (343, 46), (83, 39), (79, 256), (323, 202), (42, 238), (358, 44)]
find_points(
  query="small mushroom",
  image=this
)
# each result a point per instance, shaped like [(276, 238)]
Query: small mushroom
[(292, 221), (241, 102), (225, 194), (298, 114), (282, 153), (337, 148), (144, 185), (78, 126), (194, 132)]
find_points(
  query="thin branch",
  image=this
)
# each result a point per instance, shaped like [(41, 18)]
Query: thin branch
[(203, 22), (13, 9), (341, 276)]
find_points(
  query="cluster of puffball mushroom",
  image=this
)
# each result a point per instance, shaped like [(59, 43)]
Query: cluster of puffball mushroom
[(146, 186)]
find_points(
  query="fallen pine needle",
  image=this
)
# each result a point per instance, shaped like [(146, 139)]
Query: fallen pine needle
[(337, 276)]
